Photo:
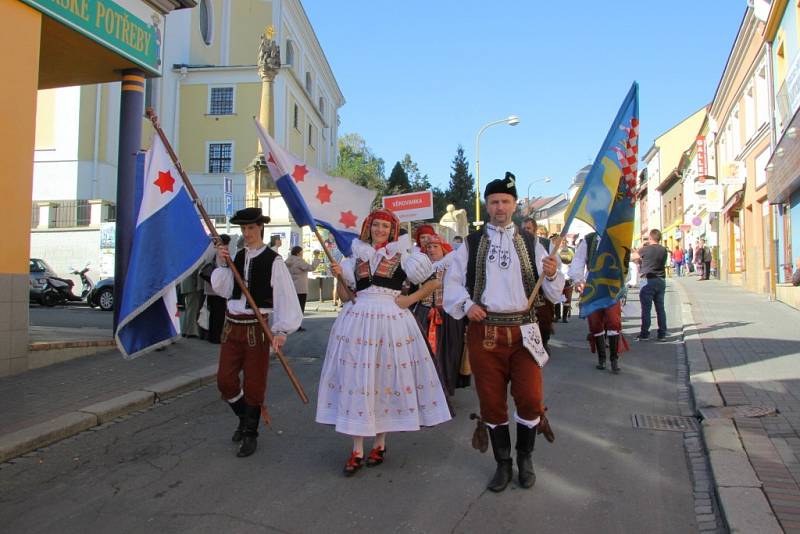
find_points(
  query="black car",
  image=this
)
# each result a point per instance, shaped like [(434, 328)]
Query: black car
[(102, 295), (40, 271)]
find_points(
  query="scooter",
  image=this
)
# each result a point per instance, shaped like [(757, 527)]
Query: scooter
[(60, 290)]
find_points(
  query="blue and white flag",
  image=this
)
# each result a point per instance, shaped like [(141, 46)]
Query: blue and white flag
[(168, 244), (313, 197)]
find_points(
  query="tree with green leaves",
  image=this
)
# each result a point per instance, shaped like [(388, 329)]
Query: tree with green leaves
[(417, 180), (398, 181), (461, 191), (358, 164)]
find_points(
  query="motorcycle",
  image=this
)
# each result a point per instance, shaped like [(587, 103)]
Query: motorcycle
[(60, 290)]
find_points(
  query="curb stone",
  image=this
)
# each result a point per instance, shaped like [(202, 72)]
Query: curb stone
[(40, 435), (742, 501), (43, 434)]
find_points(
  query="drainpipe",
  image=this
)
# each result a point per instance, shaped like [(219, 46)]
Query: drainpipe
[(177, 108)]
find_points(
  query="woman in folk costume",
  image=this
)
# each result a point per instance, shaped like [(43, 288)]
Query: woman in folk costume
[(445, 334), (378, 375), (422, 235)]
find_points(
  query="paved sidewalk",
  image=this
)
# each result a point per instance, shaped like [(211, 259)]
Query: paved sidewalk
[(753, 353), (44, 405)]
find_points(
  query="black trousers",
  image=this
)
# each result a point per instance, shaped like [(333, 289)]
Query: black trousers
[(706, 270), (302, 298)]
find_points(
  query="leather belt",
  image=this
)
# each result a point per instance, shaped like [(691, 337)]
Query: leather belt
[(509, 319)]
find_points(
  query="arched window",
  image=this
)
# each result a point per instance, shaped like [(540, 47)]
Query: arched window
[(206, 12)]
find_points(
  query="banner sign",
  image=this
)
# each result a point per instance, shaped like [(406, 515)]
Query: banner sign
[(702, 165), (714, 198), (132, 30), (411, 206)]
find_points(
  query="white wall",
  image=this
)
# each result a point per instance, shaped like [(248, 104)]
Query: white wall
[(69, 248)]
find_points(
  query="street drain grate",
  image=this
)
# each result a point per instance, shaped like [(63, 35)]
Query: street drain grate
[(672, 423)]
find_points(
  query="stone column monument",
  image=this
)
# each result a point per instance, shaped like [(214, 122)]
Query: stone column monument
[(257, 178)]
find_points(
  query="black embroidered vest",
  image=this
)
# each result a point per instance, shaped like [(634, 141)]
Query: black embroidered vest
[(478, 248), (592, 243), (388, 274), (258, 277)]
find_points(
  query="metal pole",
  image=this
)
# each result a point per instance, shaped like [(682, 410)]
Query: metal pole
[(130, 140)]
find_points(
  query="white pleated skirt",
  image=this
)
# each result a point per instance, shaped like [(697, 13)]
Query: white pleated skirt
[(378, 375)]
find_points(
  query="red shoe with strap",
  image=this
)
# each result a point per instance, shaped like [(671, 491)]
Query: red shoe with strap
[(354, 463), (375, 456)]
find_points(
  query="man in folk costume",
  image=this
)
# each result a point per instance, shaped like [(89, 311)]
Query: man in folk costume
[(244, 347), (490, 281), (604, 324), (445, 334)]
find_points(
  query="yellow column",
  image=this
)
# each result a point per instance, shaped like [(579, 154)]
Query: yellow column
[(20, 42)]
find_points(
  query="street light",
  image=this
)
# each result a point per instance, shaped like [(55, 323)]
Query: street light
[(511, 120), (546, 180)]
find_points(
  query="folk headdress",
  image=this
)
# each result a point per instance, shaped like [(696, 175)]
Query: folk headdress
[(382, 214), (436, 239), (425, 229)]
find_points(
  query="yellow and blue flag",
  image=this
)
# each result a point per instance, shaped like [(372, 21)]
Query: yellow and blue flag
[(606, 201)]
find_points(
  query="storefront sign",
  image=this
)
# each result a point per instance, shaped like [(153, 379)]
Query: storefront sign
[(411, 206), (715, 198), (702, 165), (736, 174), (128, 27)]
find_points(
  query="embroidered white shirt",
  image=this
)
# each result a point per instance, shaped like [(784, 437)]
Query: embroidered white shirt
[(286, 312), (504, 291)]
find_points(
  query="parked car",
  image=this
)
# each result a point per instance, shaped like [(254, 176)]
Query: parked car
[(102, 295), (40, 271)]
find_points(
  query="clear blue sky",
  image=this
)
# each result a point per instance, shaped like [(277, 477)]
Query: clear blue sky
[(421, 77)]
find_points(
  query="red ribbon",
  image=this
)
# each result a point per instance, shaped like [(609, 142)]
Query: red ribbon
[(434, 320)]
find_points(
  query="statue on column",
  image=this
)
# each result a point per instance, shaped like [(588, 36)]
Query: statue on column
[(456, 220), (269, 55)]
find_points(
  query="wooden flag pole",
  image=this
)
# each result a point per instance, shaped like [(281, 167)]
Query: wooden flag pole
[(557, 241), (342, 281), (237, 277)]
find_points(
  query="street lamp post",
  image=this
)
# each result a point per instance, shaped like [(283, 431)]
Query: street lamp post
[(546, 179), (511, 120)]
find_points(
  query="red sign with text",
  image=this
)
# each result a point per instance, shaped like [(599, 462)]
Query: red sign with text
[(411, 206), (702, 165)]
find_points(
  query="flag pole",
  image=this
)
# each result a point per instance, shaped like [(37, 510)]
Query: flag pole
[(237, 277), (342, 281)]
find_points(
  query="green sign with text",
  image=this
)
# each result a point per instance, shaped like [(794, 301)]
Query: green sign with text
[(111, 25)]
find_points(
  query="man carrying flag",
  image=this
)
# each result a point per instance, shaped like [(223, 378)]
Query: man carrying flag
[(606, 202), (244, 348)]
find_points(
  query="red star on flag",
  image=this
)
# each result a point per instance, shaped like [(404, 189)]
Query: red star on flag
[(348, 219), (299, 173), (165, 181), (271, 159), (324, 194)]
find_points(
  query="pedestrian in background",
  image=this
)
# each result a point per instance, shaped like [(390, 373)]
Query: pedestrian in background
[(299, 269), (192, 290), (677, 260), (654, 258), (796, 274), (275, 244), (688, 258), (705, 259), (214, 303)]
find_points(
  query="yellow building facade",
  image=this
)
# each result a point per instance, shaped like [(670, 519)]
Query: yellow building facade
[(740, 137)]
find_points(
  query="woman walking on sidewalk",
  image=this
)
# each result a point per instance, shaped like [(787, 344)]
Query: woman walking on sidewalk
[(378, 375)]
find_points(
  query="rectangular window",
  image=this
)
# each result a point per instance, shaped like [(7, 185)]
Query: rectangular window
[(761, 167), (762, 97), (312, 133), (749, 112), (220, 157), (220, 101), (296, 118), (308, 82)]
